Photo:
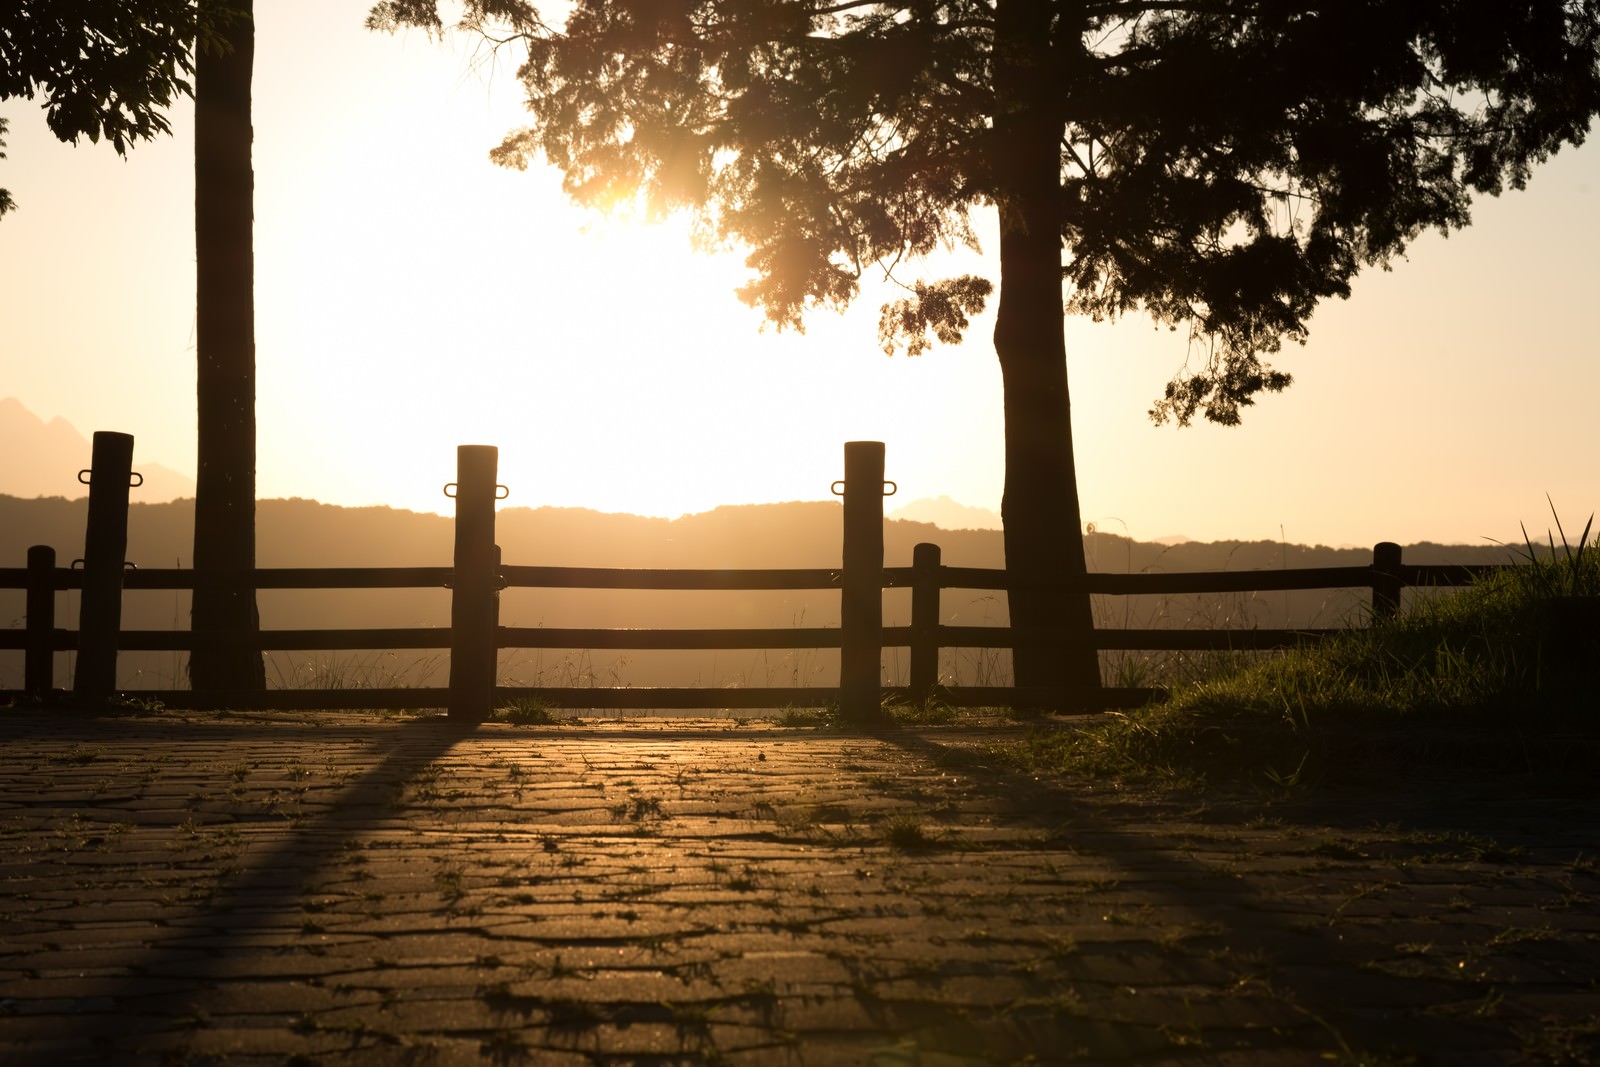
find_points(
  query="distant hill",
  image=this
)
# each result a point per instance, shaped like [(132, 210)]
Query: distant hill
[(56, 452), (804, 534), (948, 514)]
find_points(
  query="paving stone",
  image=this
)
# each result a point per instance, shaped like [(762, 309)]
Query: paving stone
[(355, 888)]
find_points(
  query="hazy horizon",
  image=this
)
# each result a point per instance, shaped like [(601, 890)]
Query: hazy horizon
[(163, 484)]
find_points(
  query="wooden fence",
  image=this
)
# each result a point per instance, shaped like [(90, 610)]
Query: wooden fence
[(475, 636)]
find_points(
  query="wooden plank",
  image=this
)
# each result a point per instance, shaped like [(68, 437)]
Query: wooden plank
[(1449, 574), (17, 578), (673, 699), (284, 640), (1007, 637), (597, 698), (297, 578), (296, 699), (1004, 696), (632, 578), (638, 699), (60, 640), (1157, 583), (1154, 583), (685, 639), (690, 640)]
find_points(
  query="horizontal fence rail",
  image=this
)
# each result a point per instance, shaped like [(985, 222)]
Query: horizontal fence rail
[(475, 636), (679, 639), (1155, 583)]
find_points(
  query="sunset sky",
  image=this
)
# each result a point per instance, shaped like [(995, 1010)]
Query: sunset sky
[(411, 297)]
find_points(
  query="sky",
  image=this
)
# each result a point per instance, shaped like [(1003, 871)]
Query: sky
[(412, 297)]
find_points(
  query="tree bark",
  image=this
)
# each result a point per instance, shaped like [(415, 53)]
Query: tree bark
[(1043, 524), (225, 492)]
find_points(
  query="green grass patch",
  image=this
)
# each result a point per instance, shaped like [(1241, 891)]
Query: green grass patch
[(1501, 678)]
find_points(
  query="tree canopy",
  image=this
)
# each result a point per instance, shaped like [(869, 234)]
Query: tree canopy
[(106, 68), (1224, 165), (1219, 165)]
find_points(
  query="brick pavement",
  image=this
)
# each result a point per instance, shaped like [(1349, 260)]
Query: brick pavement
[(345, 888)]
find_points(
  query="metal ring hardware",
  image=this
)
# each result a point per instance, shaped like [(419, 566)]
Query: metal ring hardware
[(836, 489), (129, 565), (85, 476), (451, 489)]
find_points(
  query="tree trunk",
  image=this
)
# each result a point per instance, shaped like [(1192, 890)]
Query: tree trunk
[(225, 492), (1043, 525)]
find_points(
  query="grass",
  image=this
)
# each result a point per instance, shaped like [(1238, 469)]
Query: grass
[(1499, 678), (525, 711)]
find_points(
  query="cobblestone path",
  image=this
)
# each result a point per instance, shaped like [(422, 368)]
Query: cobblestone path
[(359, 889)]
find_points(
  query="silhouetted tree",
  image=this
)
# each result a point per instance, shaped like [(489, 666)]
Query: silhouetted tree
[(1221, 165), (106, 68), (6, 203), (110, 68), (225, 485)]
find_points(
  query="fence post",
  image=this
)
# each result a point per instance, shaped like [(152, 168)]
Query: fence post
[(1386, 582), (861, 596), (38, 670), (105, 546), (474, 600), (924, 621)]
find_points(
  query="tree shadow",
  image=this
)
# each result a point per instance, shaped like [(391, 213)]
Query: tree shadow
[(1331, 975)]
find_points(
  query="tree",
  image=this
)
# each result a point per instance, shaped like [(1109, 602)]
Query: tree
[(1221, 165), (111, 68), (225, 486), (106, 69)]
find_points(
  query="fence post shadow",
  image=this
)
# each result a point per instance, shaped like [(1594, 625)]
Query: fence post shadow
[(277, 879)]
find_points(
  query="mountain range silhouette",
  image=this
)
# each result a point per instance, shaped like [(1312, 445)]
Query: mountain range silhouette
[(56, 451)]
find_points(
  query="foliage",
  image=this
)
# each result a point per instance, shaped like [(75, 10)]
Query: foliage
[(1564, 572), (6, 203), (526, 711), (1222, 166), (106, 68), (1452, 679)]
